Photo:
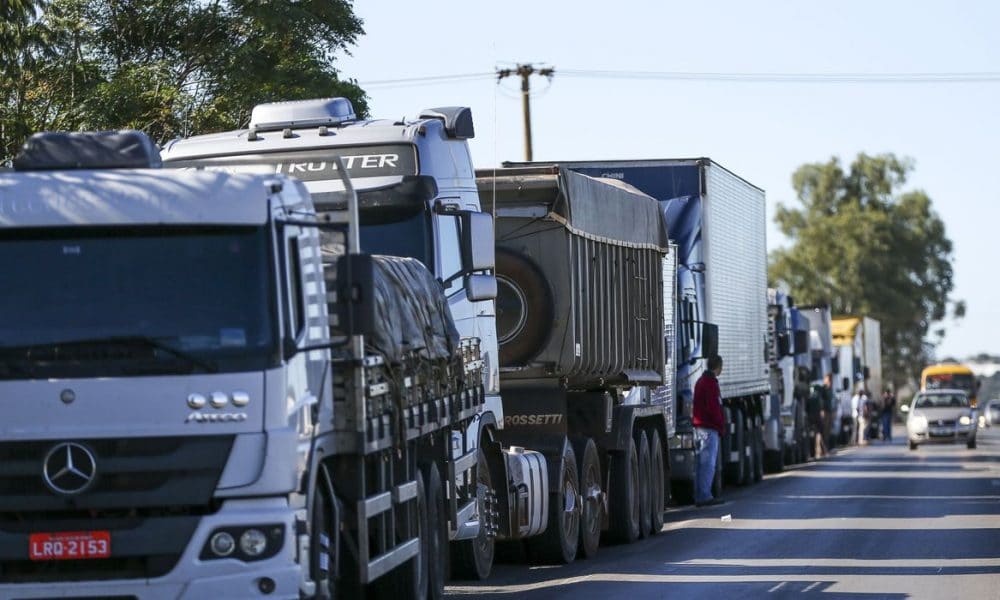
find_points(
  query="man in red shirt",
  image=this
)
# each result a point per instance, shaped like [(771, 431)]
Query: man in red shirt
[(709, 427)]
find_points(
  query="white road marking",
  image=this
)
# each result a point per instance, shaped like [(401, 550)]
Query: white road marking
[(777, 587), (934, 523)]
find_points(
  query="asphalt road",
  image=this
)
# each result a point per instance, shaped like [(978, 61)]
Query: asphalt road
[(872, 522)]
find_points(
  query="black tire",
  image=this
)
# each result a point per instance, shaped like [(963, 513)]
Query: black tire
[(658, 482), (409, 580), (591, 504), (774, 461), (559, 542), (473, 559), (682, 492), (645, 487), (913, 446), (735, 472), (758, 452), (322, 551), (523, 308), (717, 482), (971, 444), (624, 505), (436, 562)]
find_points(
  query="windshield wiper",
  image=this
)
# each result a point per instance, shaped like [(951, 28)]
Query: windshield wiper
[(114, 340)]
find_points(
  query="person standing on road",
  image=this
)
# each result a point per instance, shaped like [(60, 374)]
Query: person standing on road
[(859, 406), (814, 413), (888, 410), (709, 426)]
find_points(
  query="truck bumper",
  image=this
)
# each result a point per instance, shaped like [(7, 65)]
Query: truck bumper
[(193, 578)]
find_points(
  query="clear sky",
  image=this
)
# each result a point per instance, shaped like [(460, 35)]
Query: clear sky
[(762, 131)]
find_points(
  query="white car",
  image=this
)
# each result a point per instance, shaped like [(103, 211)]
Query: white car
[(941, 417), (992, 413)]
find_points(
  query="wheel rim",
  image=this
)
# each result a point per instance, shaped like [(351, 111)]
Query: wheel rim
[(484, 542), (591, 501), (571, 509)]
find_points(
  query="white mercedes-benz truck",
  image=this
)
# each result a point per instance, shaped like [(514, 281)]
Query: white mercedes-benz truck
[(209, 392)]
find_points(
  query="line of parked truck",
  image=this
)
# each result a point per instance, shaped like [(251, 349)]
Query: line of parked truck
[(326, 357)]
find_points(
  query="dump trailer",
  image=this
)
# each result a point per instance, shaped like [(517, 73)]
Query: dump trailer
[(717, 220), (214, 393), (585, 323)]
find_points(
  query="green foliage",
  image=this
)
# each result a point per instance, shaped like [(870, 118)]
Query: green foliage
[(167, 67), (866, 248)]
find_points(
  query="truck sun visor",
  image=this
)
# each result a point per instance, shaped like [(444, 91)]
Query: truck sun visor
[(51, 150)]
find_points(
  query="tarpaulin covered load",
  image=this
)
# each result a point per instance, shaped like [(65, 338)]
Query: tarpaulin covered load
[(580, 278), (412, 311)]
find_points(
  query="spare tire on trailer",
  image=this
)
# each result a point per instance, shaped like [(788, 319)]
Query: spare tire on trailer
[(524, 308)]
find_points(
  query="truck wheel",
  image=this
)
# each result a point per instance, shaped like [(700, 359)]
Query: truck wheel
[(717, 482), (322, 551), (624, 505), (558, 543), (645, 487), (436, 558), (774, 461), (658, 482), (913, 446), (473, 559), (734, 471), (524, 308), (591, 499), (758, 452), (971, 444)]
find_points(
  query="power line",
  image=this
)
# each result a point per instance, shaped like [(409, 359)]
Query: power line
[(427, 80), (713, 76), (932, 77)]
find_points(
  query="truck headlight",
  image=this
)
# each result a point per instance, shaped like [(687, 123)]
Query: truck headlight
[(964, 420), (222, 543), (246, 543), (253, 542)]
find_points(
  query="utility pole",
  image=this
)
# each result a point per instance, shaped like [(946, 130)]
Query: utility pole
[(525, 72)]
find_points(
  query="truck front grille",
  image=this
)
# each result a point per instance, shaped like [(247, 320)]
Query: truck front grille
[(148, 493), (131, 474)]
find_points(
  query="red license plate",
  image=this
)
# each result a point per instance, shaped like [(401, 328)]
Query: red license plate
[(69, 545)]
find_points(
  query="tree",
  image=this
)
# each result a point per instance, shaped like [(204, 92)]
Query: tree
[(864, 247), (167, 67)]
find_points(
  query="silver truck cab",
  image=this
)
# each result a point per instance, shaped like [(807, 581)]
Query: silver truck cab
[(151, 417), (416, 187)]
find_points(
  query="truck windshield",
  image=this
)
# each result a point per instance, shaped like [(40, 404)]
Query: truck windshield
[(135, 301), (398, 232)]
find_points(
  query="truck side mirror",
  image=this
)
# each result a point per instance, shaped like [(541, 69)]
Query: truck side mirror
[(801, 341), (835, 367), (709, 340), (784, 345), (867, 373), (478, 249), (480, 287), (846, 383)]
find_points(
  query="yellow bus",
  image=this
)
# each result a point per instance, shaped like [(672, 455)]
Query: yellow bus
[(950, 376)]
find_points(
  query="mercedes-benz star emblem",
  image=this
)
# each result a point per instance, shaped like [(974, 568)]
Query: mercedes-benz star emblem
[(69, 468)]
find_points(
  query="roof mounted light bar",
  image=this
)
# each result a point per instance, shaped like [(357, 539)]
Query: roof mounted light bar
[(300, 114)]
